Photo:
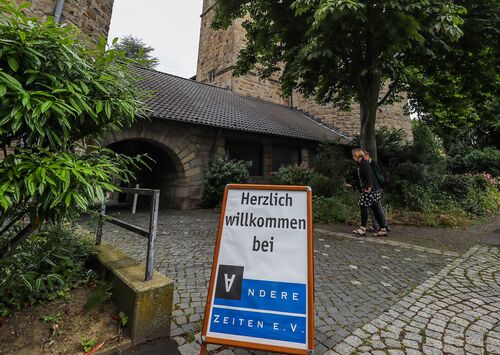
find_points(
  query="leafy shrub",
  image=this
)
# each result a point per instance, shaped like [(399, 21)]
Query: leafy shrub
[(426, 147), (474, 161), (334, 162), (57, 92), (322, 185), (473, 195), (341, 208), (219, 172), (44, 267), (293, 175)]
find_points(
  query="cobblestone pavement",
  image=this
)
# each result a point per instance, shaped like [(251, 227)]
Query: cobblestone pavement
[(359, 283), (456, 311)]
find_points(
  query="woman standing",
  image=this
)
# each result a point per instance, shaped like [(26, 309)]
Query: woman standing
[(370, 194)]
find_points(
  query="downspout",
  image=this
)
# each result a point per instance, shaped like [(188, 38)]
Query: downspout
[(58, 11)]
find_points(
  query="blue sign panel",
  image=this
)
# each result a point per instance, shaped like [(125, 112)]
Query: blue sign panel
[(268, 295), (259, 325)]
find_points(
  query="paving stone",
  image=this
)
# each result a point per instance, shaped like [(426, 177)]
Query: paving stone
[(453, 341), (431, 351), (353, 341), (190, 349), (413, 352), (344, 348), (225, 352), (411, 344), (450, 349)]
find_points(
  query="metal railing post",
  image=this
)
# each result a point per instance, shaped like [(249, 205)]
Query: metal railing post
[(153, 226), (134, 201), (100, 222)]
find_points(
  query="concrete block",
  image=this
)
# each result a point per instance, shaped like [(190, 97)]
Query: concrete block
[(148, 304)]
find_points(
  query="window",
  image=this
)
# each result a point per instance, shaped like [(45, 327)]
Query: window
[(285, 155), (247, 151)]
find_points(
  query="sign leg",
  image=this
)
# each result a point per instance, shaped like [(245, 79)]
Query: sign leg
[(203, 350)]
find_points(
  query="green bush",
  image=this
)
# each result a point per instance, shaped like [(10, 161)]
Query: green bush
[(293, 175), (472, 194), (320, 184), (334, 162), (342, 208), (462, 160), (219, 172), (44, 267)]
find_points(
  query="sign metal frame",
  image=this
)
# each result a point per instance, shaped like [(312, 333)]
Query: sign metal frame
[(310, 277)]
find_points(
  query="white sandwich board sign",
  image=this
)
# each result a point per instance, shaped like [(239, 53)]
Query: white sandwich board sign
[(261, 292)]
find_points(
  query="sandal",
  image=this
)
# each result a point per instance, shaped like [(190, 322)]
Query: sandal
[(371, 229), (359, 231), (382, 232)]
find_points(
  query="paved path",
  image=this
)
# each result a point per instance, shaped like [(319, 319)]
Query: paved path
[(360, 283)]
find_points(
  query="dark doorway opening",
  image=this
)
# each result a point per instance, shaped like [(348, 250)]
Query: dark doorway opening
[(161, 174)]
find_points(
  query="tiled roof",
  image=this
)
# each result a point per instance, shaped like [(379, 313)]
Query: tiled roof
[(185, 100)]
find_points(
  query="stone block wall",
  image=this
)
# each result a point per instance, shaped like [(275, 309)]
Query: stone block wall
[(215, 52), (93, 17), (392, 116)]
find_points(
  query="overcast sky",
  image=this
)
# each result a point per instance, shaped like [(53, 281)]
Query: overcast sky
[(171, 27)]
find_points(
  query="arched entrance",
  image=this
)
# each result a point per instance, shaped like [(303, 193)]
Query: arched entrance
[(165, 171), (178, 171)]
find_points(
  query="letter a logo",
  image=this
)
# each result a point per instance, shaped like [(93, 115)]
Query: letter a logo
[(229, 281)]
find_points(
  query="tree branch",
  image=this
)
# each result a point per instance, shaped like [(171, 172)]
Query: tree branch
[(389, 92)]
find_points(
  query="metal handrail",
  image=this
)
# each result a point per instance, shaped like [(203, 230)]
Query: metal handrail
[(153, 224)]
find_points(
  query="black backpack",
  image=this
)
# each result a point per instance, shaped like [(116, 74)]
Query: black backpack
[(379, 174)]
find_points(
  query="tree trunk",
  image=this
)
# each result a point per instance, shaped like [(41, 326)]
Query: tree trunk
[(368, 113)]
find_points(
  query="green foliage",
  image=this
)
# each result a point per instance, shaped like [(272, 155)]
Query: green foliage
[(99, 295), (342, 208), (57, 94), (472, 195), (135, 48), (474, 160), (333, 161), (123, 319), (457, 91), (293, 175), (57, 185), (321, 185), (47, 265), (87, 344), (219, 172), (51, 318), (423, 179), (426, 148)]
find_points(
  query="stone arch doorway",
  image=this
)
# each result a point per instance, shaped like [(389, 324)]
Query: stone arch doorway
[(179, 171), (164, 172)]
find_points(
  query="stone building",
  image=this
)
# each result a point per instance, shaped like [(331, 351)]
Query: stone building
[(194, 119)]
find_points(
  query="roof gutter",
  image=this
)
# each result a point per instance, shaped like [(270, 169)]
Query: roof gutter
[(58, 11)]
